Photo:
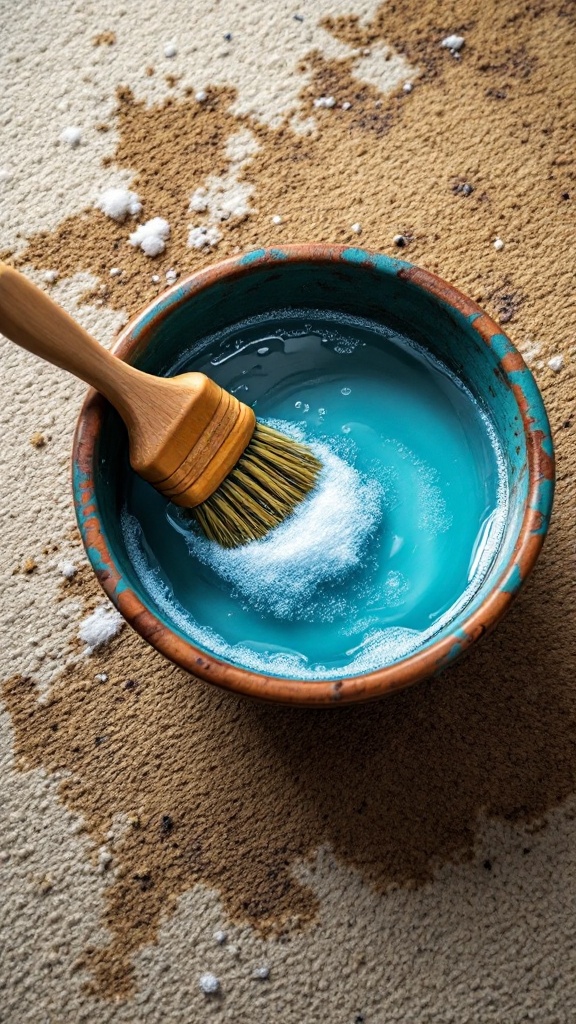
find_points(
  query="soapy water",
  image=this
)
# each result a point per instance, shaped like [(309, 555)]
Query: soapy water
[(361, 574), (289, 573)]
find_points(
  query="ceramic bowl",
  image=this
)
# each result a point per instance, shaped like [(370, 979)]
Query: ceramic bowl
[(356, 282)]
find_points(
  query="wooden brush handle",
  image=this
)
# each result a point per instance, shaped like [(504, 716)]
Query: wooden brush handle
[(186, 433), (35, 322)]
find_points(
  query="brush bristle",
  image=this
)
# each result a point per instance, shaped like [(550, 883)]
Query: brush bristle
[(273, 475)]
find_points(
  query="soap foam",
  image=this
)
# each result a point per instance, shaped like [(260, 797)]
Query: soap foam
[(323, 541), (379, 647)]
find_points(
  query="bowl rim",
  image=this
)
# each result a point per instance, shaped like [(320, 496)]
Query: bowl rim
[(438, 654)]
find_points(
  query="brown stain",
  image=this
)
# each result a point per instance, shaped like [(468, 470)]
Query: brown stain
[(390, 163), (396, 788), (104, 39), (173, 147)]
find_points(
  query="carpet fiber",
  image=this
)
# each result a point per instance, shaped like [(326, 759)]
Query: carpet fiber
[(412, 861)]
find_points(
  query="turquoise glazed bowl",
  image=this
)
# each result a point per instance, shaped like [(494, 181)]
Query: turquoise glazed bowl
[(353, 282)]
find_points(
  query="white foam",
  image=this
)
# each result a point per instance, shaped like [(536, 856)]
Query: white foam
[(323, 541), (117, 203), (100, 627), (151, 236)]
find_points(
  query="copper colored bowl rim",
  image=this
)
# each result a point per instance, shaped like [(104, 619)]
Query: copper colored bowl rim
[(438, 654)]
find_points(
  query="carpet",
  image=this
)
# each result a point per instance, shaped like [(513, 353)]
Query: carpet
[(411, 861)]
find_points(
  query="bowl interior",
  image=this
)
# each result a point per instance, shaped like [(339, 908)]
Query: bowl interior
[(389, 292)]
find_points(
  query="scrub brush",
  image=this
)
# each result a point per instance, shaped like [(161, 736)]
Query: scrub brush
[(195, 442)]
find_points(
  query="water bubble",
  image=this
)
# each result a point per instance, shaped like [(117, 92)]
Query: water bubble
[(263, 351), (346, 391), (297, 405), (321, 412), (346, 428), (306, 407)]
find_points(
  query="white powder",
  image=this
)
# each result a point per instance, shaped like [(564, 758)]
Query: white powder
[(346, 105), (151, 236), (498, 244), (101, 677), (322, 541), (50, 276), (171, 276), (261, 973), (115, 272), (209, 983), (325, 102), (199, 201), (155, 279), (67, 568), (220, 937), (276, 219), (556, 363), (100, 627), (202, 236), (407, 87), (170, 50), (357, 228), (201, 96), (453, 42), (117, 203), (71, 136)]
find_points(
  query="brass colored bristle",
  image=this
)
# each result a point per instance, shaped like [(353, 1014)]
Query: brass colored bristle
[(272, 477)]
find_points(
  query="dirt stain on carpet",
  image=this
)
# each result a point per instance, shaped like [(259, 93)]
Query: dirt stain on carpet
[(231, 794)]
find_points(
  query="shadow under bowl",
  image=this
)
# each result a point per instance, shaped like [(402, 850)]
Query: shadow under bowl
[(357, 283)]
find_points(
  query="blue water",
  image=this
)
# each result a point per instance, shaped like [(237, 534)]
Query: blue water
[(397, 537)]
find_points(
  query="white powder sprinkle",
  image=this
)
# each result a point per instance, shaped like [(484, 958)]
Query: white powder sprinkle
[(399, 240), (101, 677), (171, 276), (209, 983), (72, 136), (67, 568), (170, 50), (556, 363), (155, 279), (201, 96), (100, 627), (324, 102), (151, 236), (453, 42), (6, 174), (220, 937), (115, 272), (50, 276), (357, 228), (200, 236), (407, 87), (346, 105), (342, 507), (261, 973), (498, 244), (117, 203), (199, 201), (276, 219)]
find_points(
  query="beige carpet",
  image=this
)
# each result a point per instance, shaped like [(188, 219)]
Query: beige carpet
[(413, 861)]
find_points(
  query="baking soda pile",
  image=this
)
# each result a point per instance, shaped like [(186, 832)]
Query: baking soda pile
[(323, 541)]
